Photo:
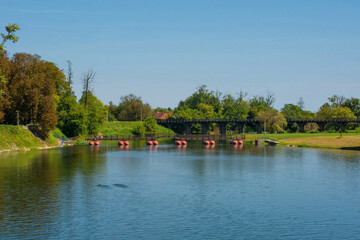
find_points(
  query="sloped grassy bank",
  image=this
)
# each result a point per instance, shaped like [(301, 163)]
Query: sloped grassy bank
[(125, 128), (318, 140), (14, 138)]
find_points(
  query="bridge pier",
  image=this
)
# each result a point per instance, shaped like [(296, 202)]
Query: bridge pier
[(240, 128), (258, 128), (342, 126), (187, 128), (321, 126), (301, 127), (204, 128), (222, 129)]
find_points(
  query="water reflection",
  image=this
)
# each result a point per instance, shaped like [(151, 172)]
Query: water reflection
[(138, 191)]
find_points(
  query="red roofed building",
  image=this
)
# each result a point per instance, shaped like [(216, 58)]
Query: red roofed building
[(160, 115)]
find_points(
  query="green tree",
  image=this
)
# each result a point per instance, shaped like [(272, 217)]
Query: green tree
[(337, 101), (9, 35), (274, 120), (258, 104), (95, 112), (342, 112), (71, 116), (354, 105), (150, 125), (234, 108), (131, 108), (139, 129), (292, 111), (203, 95), (33, 89)]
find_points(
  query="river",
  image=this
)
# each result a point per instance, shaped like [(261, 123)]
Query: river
[(170, 192)]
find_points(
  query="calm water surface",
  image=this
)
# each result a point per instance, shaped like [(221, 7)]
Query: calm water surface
[(167, 192)]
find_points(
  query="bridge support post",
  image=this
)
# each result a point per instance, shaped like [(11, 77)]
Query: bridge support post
[(204, 128), (222, 129), (258, 128), (301, 127), (321, 126), (240, 127), (342, 126), (188, 128)]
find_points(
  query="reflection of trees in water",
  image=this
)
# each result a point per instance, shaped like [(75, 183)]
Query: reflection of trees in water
[(31, 184), (340, 155)]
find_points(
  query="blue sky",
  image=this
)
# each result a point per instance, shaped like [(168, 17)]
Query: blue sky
[(163, 50)]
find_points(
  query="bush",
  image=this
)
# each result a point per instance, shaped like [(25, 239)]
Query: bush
[(150, 125), (139, 129)]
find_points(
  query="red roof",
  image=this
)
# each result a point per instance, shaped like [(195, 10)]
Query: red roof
[(160, 115)]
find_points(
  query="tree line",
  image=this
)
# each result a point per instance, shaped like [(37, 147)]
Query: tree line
[(35, 91)]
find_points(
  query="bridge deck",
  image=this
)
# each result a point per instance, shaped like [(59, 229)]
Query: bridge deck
[(190, 137)]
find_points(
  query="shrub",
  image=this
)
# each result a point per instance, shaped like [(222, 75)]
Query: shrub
[(139, 129)]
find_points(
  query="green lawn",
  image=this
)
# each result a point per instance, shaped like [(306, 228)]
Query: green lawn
[(318, 140), (125, 128)]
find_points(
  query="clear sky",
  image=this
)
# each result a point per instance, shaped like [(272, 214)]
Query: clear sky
[(163, 50)]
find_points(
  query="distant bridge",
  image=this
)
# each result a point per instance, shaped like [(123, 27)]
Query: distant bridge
[(151, 137), (254, 123)]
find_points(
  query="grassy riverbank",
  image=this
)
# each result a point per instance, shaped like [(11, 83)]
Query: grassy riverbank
[(125, 128), (17, 138), (317, 140)]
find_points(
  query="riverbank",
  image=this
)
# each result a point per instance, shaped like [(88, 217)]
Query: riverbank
[(126, 127), (317, 140), (14, 138)]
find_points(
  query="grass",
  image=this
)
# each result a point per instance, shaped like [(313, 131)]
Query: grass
[(57, 133), (318, 140), (17, 138), (125, 128)]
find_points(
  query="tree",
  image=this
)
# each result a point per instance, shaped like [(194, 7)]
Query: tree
[(257, 104), (69, 77), (71, 117), (203, 95), (131, 108), (274, 120), (301, 103), (150, 125), (354, 105), (337, 101), (234, 108), (95, 112), (292, 111), (88, 79), (9, 36), (33, 88)]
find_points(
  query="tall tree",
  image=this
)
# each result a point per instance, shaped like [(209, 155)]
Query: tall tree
[(354, 105), (32, 89), (131, 108), (69, 77), (337, 101), (9, 35), (301, 103), (274, 120), (88, 79), (95, 113)]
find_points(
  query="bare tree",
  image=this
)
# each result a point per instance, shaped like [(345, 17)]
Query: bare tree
[(301, 103), (69, 73), (88, 79), (270, 99)]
